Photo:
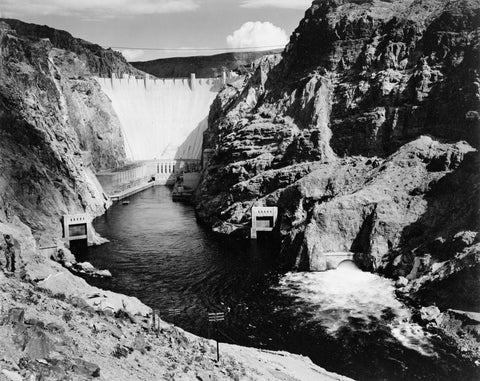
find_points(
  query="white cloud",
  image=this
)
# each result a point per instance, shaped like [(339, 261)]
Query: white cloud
[(131, 54), (96, 8), (291, 4), (257, 35)]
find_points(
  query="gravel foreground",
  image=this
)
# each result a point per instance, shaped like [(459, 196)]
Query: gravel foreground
[(52, 337)]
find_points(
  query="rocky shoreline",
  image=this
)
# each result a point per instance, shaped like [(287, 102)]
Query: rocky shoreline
[(51, 335)]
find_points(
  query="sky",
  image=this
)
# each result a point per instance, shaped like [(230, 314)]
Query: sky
[(203, 27)]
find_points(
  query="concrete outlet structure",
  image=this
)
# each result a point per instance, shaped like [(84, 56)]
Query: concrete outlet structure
[(75, 228), (333, 259), (264, 219)]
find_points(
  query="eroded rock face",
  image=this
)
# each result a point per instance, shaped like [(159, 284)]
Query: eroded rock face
[(365, 135), (56, 127)]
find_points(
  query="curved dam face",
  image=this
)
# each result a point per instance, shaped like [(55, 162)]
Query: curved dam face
[(162, 118)]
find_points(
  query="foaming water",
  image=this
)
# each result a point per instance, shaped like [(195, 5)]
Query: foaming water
[(345, 320), (350, 298)]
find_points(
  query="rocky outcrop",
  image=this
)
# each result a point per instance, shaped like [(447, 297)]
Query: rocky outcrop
[(56, 127), (365, 135), (101, 62)]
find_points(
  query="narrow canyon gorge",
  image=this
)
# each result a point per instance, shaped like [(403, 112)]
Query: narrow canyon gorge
[(363, 134)]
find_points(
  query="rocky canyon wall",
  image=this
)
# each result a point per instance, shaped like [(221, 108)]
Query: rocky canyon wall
[(56, 128), (365, 134), (162, 118)]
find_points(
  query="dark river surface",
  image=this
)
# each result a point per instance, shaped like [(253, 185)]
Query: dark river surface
[(345, 320)]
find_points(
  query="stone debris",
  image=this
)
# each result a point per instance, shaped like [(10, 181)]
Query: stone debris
[(139, 343), (85, 368), (65, 283), (430, 314), (205, 376), (40, 344), (88, 269), (12, 376), (401, 282), (15, 316)]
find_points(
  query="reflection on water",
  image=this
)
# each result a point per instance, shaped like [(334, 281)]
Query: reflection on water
[(345, 320)]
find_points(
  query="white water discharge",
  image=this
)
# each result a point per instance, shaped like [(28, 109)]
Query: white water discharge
[(162, 118), (353, 299)]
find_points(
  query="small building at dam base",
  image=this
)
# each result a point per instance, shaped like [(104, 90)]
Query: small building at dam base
[(135, 177)]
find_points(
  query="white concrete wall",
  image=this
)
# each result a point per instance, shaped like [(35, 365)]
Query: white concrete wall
[(112, 181), (162, 118)]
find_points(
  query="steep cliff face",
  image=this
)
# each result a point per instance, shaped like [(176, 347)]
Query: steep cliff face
[(56, 128), (101, 62), (365, 135)]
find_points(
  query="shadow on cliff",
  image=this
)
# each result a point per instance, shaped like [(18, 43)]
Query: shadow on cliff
[(191, 148), (448, 226), (439, 99)]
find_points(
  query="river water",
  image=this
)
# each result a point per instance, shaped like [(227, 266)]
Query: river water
[(345, 320)]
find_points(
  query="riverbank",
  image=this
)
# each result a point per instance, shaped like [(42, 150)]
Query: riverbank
[(349, 323), (56, 336), (62, 327)]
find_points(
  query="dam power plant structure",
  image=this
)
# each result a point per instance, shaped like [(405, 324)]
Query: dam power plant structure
[(163, 121)]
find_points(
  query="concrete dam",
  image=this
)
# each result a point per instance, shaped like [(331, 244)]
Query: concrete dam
[(162, 119)]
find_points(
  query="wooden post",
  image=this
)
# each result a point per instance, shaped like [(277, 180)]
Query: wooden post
[(153, 321), (215, 317), (218, 348)]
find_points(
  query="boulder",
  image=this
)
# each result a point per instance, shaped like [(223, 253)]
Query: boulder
[(38, 344), (86, 266), (85, 368), (401, 282), (35, 322), (77, 288), (139, 343), (89, 269), (15, 316), (120, 351), (63, 256), (11, 375), (430, 314)]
